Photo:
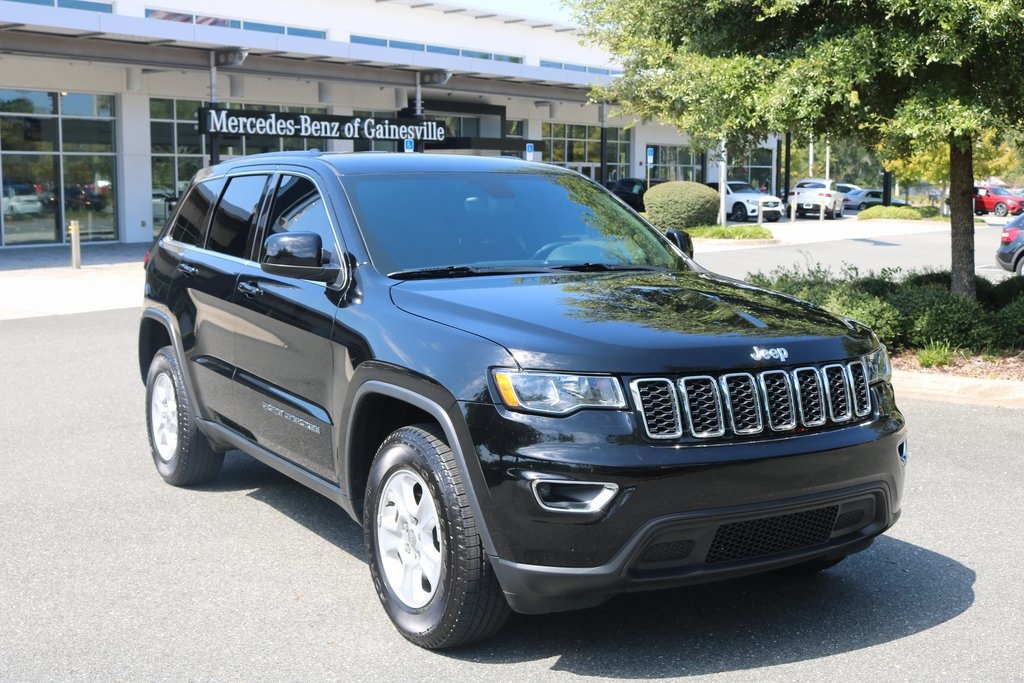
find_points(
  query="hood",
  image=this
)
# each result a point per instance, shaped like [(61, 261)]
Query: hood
[(634, 322)]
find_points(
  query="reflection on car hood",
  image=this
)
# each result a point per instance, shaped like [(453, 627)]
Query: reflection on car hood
[(633, 322)]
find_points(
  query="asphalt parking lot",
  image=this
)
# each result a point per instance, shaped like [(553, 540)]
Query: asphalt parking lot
[(110, 574)]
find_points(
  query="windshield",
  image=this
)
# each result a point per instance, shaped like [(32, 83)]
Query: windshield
[(742, 187), (494, 221)]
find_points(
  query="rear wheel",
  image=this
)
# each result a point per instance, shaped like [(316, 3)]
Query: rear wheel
[(1020, 265), (181, 453), (425, 554)]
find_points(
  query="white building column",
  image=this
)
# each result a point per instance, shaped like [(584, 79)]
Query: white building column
[(134, 173)]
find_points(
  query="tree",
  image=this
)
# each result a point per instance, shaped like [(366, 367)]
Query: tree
[(991, 158), (900, 75)]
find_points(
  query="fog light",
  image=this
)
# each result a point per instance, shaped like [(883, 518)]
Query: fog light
[(573, 496)]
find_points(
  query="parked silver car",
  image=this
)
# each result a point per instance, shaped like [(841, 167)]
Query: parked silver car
[(862, 199)]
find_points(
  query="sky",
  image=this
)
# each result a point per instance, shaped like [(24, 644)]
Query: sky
[(542, 9)]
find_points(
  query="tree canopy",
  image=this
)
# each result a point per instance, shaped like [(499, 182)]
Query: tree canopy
[(904, 76)]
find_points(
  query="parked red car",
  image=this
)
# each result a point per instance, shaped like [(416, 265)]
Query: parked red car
[(997, 200)]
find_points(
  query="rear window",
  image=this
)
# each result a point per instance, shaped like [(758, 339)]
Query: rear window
[(191, 219)]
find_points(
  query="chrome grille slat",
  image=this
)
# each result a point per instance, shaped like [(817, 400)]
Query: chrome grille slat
[(659, 408), (858, 376), (739, 394), (747, 404), (837, 392), (702, 405), (777, 392)]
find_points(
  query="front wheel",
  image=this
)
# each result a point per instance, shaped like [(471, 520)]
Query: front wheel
[(739, 213), (181, 453), (1000, 210), (425, 554)]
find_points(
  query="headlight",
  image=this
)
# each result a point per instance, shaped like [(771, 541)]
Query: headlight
[(556, 393), (879, 368)]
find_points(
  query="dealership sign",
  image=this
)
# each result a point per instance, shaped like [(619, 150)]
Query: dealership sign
[(290, 125)]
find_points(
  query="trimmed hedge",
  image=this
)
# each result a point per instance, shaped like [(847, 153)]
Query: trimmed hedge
[(731, 232), (679, 205), (915, 310), (907, 213)]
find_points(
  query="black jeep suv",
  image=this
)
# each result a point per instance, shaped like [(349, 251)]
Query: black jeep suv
[(528, 396)]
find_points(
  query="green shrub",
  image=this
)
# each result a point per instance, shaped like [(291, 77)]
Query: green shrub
[(932, 313), (1008, 325), (1006, 292), (810, 283), (927, 211), (731, 232), (845, 299), (983, 287), (908, 213), (679, 205), (936, 354)]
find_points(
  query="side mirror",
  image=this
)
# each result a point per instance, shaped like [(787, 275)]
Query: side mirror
[(682, 240), (298, 254)]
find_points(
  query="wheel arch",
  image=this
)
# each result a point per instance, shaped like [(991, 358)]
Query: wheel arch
[(155, 332), (379, 407)]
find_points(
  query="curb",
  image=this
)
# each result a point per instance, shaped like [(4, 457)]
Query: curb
[(1005, 393)]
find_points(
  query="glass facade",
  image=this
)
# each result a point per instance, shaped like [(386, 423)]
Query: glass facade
[(756, 168), (58, 163), (677, 162), (178, 150), (578, 147)]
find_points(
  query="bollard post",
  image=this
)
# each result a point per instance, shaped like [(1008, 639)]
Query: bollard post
[(821, 212), (792, 212), (760, 211), (76, 244)]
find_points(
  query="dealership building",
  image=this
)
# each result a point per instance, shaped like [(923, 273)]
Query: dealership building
[(108, 108)]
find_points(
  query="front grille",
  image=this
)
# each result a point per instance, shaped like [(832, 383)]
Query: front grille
[(743, 404), (771, 535)]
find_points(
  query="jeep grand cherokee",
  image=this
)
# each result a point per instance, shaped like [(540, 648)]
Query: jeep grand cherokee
[(527, 396)]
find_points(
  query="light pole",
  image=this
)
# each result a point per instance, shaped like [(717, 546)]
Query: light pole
[(225, 56)]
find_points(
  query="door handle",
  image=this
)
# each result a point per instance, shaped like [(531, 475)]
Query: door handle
[(188, 270), (249, 289)]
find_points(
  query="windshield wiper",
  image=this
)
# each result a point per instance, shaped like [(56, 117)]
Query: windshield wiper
[(438, 272), (599, 267)]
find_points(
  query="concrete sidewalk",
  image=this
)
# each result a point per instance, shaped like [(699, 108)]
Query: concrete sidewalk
[(39, 281)]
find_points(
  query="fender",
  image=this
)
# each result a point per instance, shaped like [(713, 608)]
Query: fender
[(471, 477)]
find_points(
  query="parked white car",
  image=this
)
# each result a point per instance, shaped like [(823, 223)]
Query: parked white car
[(743, 201), (19, 199), (811, 194)]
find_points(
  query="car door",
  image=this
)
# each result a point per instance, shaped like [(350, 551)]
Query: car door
[(201, 283), (283, 348)]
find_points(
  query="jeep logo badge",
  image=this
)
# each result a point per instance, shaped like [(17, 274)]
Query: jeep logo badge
[(778, 353)]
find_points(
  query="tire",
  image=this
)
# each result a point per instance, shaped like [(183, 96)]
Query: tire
[(1000, 210), (738, 213), (182, 454), (862, 206), (417, 524), (815, 566), (1020, 265)]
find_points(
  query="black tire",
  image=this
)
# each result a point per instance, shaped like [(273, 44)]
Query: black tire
[(182, 454), (815, 566), (1000, 210), (738, 213), (862, 206), (1020, 265), (463, 602)]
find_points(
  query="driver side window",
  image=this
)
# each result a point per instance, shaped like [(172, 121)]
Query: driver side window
[(299, 207)]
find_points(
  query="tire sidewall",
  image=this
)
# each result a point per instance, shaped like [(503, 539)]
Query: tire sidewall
[(395, 457), (161, 365)]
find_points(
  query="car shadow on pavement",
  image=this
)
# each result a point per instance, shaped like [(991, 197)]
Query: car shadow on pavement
[(892, 590), (313, 511), (888, 592)]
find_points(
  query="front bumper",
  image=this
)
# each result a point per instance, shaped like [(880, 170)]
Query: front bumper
[(683, 514)]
